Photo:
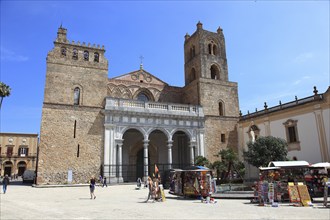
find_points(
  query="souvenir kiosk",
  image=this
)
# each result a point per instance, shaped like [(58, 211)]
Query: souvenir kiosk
[(275, 181), (192, 182), (318, 180)]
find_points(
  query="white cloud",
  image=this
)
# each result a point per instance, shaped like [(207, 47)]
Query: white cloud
[(303, 57), (9, 55), (299, 81)]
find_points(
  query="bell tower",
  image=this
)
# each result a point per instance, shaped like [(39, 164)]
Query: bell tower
[(205, 55), (207, 84), (72, 124)]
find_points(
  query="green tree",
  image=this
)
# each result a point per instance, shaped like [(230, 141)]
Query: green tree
[(220, 168), (202, 161), (229, 158), (265, 150), (4, 91)]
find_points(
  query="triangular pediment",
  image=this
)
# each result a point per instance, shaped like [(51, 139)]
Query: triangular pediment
[(140, 76)]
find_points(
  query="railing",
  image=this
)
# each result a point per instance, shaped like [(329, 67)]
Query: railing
[(284, 106), (15, 156), (130, 173), (115, 103)]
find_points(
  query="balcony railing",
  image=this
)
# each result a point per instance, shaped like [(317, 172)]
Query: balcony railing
[(28, 156), (153, 107)]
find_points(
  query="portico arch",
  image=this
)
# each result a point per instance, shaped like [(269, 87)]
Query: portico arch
[(8, 168), (21, 166), (181, 155)]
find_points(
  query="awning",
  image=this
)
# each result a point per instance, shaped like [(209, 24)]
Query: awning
[(196, 168), (269, 168), (321, 165), (287, 164)]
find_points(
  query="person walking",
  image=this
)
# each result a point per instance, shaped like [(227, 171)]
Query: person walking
[(92, 183), (151, 189), (105, 182), (5, 183), (101, 180)]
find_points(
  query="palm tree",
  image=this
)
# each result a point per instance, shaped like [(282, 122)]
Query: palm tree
[(4, 91), (202, 161), (228, 157)]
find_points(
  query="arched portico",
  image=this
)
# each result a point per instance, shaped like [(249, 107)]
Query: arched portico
[(156, 133)]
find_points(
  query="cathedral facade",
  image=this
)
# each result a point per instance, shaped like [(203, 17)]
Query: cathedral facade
[(121, 127)]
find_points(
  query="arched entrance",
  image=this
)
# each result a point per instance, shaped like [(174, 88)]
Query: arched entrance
[(139, 163), (21, 166), (8, 166), (180, 151), (158, 142)]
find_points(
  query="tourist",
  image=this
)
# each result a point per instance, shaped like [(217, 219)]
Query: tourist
[(92, 183), (151, 188), (5, 183), (104, 182), (101, 180), (139, 183)]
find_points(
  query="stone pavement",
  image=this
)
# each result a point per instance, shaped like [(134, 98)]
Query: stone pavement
[(125, 202)]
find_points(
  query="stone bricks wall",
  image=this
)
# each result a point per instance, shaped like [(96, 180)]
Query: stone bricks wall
[(191, 93), (214, 127), (214, 91), (64, 124), (59, 143)]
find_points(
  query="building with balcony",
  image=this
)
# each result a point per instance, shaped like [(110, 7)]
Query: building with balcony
[(122, 126), (18, 152)]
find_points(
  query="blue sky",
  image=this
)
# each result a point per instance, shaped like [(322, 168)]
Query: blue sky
[(275, 49)]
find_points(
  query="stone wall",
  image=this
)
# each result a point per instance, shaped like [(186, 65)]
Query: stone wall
[(214, 127), (59, 144), (72, 134)]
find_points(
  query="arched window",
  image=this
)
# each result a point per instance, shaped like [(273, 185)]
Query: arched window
[(221, 109), (96, 57), (214, 72), (63, 51), (192, 51), (142, 97), (86, 55), (76, 96), (75, 54), (210, 48)]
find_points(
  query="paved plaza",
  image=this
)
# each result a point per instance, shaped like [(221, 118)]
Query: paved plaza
[(125, 202)]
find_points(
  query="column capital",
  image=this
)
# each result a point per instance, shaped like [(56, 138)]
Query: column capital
[(146, 141), (119, 142), (192, 143), (169, 142)]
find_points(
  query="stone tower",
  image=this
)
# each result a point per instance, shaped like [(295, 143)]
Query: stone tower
[(206, 84), (72, 126)]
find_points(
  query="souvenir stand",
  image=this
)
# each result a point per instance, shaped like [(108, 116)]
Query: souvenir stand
[(317, 180), (192, 182), (273, 185)]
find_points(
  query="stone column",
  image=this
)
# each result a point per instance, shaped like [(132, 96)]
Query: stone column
[(114, 164), (321, 133), (106, 150), (169, 153), (120, 156), (191, 149), (201, 143), (145, 158)]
